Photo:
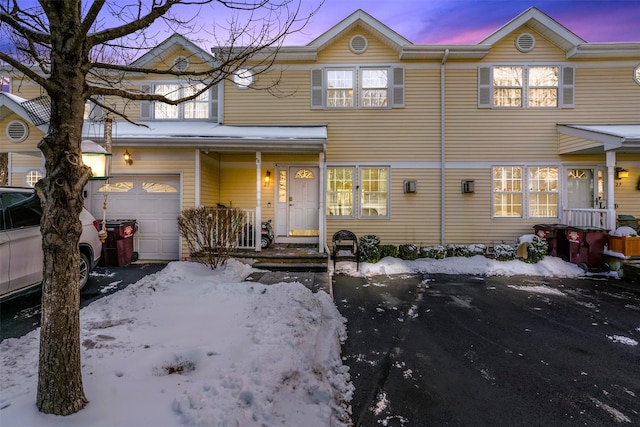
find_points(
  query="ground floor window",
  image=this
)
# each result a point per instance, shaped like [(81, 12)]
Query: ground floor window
[(525, 192), (358, 191)]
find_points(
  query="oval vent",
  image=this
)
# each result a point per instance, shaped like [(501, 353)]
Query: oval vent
[(181, 63), (358, 44), (525, 42), (17, 131)]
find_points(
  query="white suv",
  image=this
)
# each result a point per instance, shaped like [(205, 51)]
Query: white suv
[(21, 257)]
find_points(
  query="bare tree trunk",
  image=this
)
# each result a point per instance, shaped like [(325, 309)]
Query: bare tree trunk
[(60, 389)]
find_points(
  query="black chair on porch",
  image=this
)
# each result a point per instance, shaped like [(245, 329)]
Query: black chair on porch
[(344, 246)]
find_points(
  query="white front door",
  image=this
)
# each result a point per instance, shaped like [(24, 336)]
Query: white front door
[(585, 188), (303, 201)]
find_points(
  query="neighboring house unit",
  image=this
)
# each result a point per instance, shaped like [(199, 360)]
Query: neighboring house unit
[(423, 144)]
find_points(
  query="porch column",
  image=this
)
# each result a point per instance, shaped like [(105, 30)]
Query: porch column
[(258, 224), (611, 201), (322, 229)]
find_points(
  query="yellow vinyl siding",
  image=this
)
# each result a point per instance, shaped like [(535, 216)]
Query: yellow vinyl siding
[(627, 193), (29, 144), (338, 52), (415, 217), (209, 179)]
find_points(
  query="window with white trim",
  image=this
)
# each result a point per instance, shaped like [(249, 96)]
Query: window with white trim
[(357, 87), (525, 192), (369, 198), (526, 86), (205, 106), (32, 177), (636, 74)]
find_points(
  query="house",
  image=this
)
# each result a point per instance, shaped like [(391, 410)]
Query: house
[(424, 144)]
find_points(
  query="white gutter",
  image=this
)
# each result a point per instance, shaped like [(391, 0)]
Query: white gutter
[(442, 147)]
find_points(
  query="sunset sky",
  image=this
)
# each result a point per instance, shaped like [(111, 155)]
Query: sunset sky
[(470, 21), (424, 21)]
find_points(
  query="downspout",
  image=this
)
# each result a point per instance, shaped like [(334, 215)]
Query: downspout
[(442, 147)]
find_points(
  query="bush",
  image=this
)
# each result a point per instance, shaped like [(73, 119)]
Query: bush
[(388, 250), (536, 251), (457, 250), (369, 247), (505, 252), (211, 233), (435, 252), (477, 250), (408, 252)]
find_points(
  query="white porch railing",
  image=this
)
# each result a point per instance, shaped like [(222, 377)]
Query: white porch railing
[(587, 217), (249, 235)]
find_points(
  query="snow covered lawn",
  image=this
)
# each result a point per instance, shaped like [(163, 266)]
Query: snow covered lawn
[(192, 346)]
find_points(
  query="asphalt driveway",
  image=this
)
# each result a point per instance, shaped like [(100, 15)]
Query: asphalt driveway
[(470, 351)]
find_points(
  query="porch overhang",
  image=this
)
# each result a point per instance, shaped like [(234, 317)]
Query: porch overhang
[(589, 139), (214, 137)]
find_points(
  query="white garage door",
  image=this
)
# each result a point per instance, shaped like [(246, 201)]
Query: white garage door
[(153, 201)]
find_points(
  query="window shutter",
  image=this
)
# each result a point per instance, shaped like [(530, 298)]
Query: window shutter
[(145, 106), (568, 87), (398, 88), (316, 89), (484, 87), (213, 108)]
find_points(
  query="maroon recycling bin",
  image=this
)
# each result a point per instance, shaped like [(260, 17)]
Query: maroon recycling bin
[(586, 246), (117, 250), (556, 237)]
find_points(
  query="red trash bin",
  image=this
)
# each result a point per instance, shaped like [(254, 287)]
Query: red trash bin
[(586, 246), (117, 250), (556, 237)]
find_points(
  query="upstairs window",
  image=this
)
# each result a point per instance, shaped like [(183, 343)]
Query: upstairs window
[(357, 87), (203, 107), (5, 84), (539, 86)]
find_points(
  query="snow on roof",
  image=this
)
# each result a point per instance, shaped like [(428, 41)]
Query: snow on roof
[(208, 134)]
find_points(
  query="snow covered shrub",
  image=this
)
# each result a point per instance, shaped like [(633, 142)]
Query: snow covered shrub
[(408, 252), (457, 250), (505, 252), (388, 250), (435, 252), (369, 247), (476, 250), (537, 249)]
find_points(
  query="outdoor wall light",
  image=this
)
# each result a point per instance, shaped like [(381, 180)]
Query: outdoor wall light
[(267, 178), (621, 173), (127, 158)]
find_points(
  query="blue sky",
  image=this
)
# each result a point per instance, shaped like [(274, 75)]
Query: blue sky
[(470, 21)]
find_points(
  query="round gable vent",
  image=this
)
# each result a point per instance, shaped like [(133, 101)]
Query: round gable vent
[(358, 44), (525, 42), (17, 131), (181, 63)]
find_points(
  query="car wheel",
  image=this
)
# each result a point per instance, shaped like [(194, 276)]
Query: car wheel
[(85, 267)]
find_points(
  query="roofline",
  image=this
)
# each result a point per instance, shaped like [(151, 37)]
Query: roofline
[(359, 16), (536, 14), (605, 50), (7, 100), (173, 40)]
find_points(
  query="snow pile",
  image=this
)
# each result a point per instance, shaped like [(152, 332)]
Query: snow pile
[(475, 265), (624, 231), (192, 346)]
